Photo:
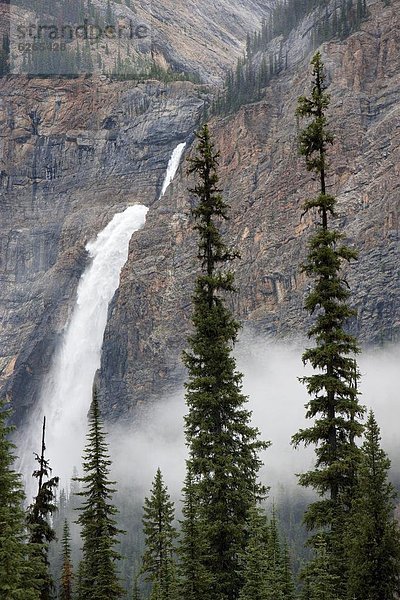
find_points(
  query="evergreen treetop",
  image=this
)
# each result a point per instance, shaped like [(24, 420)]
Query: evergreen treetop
[(194, 579), (158, 559), (66, 583), (98, 579), (16, 572), (255, 558), (223, 446), (41, 531), (373, 539), (333, 387)]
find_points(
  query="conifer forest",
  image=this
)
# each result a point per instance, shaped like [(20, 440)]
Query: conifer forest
[(157, 288)]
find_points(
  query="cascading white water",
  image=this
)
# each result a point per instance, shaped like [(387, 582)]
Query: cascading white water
[(66, 395), (173, 166)]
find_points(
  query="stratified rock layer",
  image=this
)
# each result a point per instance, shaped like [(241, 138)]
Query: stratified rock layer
[(74, 152), (265, 183)]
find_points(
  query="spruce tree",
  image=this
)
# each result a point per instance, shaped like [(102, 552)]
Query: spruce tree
[(287, 575), (223, 446), (278, 581), (66, 583), (319, 581), (135, 590), (265, 563), (158, 559), (274, 582), (334, 404), (16, 573), (41, 532), (373, 540), (255, 559), (194, 579), (97, 578), (79, 593)]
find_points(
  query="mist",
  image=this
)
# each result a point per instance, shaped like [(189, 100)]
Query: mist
[(276, 399)]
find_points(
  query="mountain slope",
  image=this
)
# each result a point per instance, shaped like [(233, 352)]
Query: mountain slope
[(265, 182), (74, 152)]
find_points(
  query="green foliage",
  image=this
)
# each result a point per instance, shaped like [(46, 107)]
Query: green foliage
[(67, 576), (265, 564), (332, 388), (267, 50), (4, 55), (373, 540), (16, 571), (319, 582), (194, 579), (41, 532), (97, 577), (135, 590), (223, 447), (158, 559), (126, 70), (255, 558)]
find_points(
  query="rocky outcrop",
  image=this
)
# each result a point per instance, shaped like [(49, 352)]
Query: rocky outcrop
[(265, 183), (74, 152), (72, 157)]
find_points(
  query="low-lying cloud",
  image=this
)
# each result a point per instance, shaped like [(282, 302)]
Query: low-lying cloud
[(276, 398)]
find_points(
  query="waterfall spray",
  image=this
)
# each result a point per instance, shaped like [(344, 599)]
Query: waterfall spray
[(66, 392)]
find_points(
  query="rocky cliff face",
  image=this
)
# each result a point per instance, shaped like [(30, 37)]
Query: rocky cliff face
[(264, 180), (74, 152)]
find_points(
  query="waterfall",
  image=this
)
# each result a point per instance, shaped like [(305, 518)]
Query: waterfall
[(66, 392), (173, 166)]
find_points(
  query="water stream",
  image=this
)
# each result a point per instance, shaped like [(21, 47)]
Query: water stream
[(66, 392)]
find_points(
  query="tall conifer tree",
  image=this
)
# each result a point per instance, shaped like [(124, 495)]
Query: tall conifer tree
[(158, 559), (373, 540), (334, 404), (16, 573), (255, 558), (223, 446), (266, 564), (319, 581), (97, 578), (194, 578), (66, 583), (41, 532), (135, 590)]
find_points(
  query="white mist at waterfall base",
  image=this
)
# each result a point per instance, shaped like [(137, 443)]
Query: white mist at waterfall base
[(276, 399), (67, 390)]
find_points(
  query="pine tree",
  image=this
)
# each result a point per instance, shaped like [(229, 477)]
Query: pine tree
[(255, 559), (193, 575), (79, 592), (373, 536), (41, 532), (319, 581), (287, 575), (15, 571), (135, 590), (265, 563), (333, 388), (279, 578), (223, 447), (98, 578), (158, 559), (67, 576)]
